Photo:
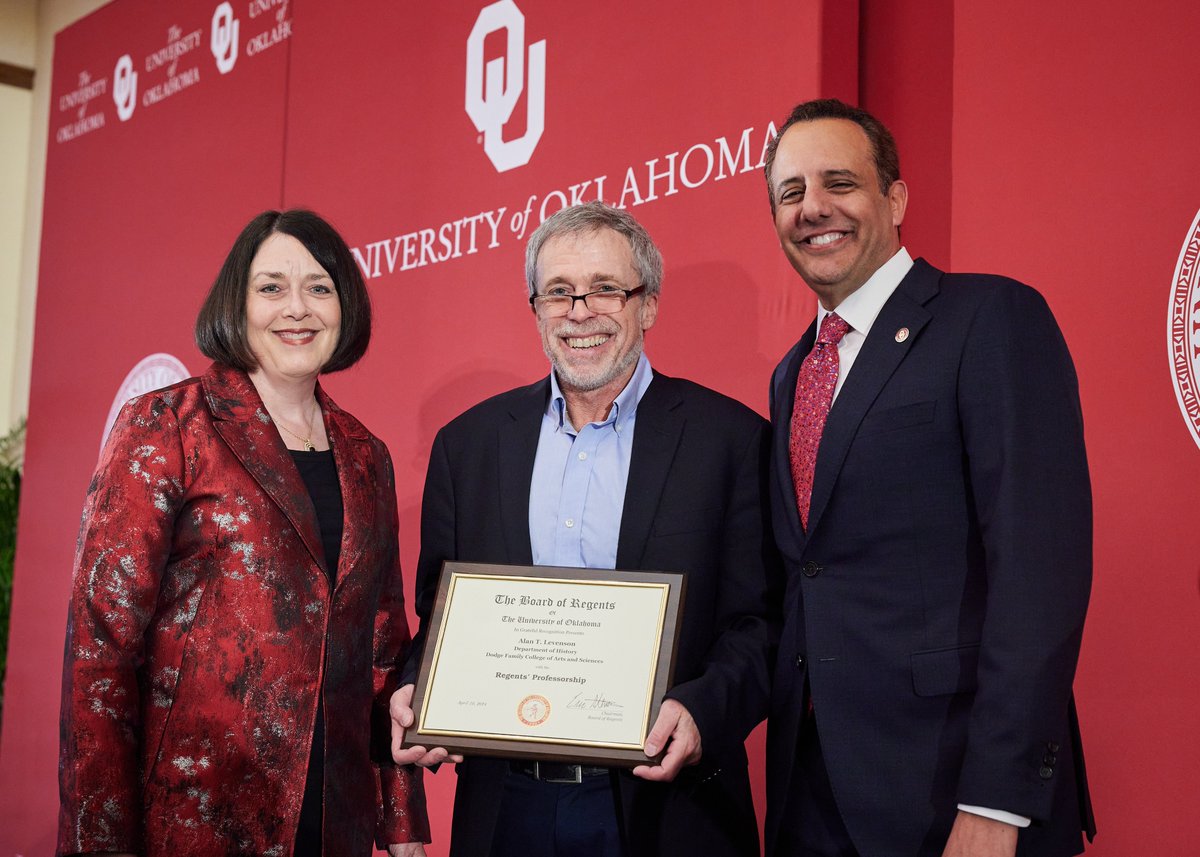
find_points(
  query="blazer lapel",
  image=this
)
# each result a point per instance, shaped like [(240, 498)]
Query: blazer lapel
[(359, 479), (518, 441), (878, 359), (243, 423), (657, 431)]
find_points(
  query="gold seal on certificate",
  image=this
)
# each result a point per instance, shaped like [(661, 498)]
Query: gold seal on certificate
[(534, 710), (546, 663)]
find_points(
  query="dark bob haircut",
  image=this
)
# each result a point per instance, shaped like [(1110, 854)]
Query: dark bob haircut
[(221, 324)]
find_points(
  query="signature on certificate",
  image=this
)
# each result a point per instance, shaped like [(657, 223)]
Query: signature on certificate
[(591, 703)]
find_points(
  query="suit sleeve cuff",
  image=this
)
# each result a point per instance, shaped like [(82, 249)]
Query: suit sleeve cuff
[(996, 815)]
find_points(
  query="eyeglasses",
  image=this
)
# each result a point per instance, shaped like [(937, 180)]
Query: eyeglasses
[(602, 302)]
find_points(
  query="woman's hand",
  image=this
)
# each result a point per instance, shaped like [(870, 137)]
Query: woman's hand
[(406, 849)]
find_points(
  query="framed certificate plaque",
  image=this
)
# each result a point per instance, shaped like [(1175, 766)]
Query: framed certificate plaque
[(537, 662)]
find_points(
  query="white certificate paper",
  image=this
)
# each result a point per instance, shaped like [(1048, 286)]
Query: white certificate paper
[(545, 659)]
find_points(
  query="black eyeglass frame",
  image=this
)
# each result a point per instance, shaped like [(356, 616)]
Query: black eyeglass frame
[(629, 293)]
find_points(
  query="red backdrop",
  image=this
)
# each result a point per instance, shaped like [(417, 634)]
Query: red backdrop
[(1026, 136)]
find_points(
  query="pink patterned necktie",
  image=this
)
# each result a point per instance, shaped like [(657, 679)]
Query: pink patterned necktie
[(814, 394)]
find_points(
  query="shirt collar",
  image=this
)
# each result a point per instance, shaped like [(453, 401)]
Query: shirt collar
[(624, 406), (861, 308)]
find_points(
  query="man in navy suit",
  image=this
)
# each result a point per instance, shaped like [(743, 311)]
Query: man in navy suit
[(936, 530), (606, 463)]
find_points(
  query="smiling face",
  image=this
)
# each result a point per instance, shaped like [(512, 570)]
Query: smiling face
[(834, 223), (593, 352), (293, 315)]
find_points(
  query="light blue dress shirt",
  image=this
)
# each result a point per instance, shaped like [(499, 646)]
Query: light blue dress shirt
[(578, 488)]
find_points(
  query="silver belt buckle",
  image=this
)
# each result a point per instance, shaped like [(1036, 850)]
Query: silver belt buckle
[(577, 779)]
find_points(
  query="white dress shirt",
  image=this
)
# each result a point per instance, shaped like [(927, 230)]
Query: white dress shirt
[(862, 307)]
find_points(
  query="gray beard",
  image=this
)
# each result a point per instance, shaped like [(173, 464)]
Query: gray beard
[(568, 378)]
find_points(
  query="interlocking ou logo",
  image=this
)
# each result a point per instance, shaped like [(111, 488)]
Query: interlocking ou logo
[(491, 98), (224, 39), (125, 87)]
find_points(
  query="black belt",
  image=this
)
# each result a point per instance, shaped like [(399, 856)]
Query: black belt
[(556, 772)]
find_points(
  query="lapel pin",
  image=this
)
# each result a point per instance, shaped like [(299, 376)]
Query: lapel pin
[(902, 334)]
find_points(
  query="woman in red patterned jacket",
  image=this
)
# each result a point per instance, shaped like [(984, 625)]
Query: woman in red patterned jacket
[(236, 618)]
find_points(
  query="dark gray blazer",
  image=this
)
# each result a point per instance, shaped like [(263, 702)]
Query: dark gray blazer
[(695, 502)]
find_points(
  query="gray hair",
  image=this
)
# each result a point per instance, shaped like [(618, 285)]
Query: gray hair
[(591, 217)]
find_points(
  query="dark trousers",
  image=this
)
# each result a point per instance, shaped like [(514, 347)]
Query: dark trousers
[(539, 819), (812, 825)]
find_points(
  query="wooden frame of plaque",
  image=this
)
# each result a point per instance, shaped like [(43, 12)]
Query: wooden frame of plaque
[(547, 663)]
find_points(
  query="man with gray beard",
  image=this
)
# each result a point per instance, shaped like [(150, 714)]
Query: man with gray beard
[(609, 464)]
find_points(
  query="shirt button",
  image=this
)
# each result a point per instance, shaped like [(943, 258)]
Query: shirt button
[(583, 456), (570, 522)]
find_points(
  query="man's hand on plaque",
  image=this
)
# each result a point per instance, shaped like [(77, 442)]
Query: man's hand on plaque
[(401, 713), (676, 730)]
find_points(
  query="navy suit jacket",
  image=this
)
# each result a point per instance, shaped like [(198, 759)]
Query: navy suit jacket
[(695, 502), (935, 605)]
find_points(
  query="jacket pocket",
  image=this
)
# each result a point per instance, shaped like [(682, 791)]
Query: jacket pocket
[(941, 671), (903, 416)]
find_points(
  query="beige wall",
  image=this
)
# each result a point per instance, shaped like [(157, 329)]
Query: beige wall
[(18, 32), (18, 37), (27, 29)]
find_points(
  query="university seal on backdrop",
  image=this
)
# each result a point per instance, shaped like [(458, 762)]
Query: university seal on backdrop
[(150, 373), (1183, 329)]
